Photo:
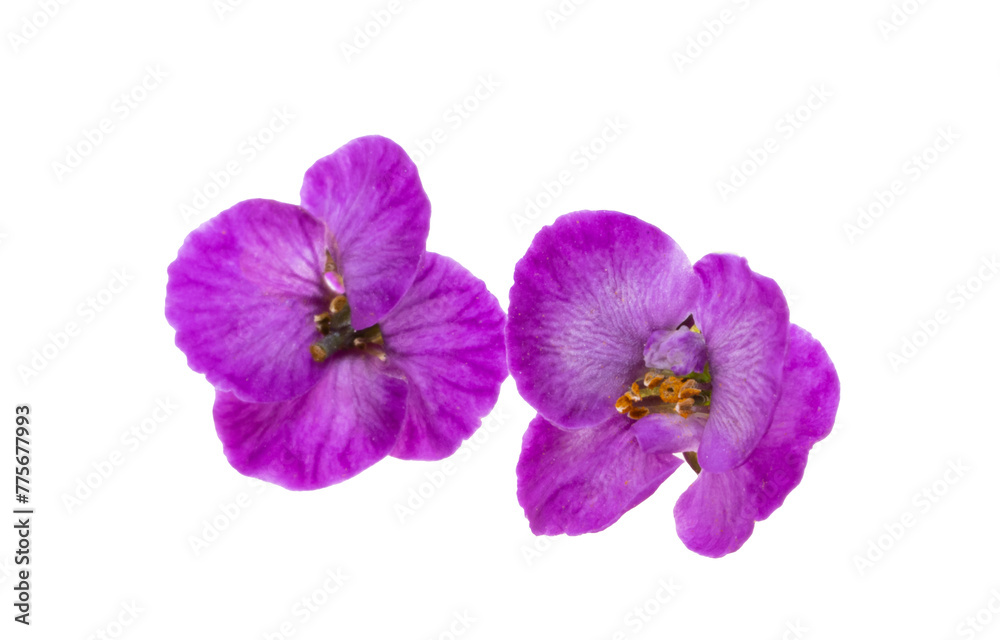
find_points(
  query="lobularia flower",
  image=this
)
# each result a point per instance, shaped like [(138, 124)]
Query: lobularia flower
[(332, 337), (629, 355)]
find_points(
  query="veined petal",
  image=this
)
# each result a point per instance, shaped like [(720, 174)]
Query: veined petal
[(716, 514), (810, 394), (744, 318), (584, 480), (343, 425), (242, 294), (446, 336), (587, 295), (369, 194)]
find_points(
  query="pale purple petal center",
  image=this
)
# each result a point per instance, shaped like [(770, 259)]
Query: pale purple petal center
[(682, 351), (669, 432)]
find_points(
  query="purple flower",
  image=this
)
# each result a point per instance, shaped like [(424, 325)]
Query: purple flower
[(631, 355), (333, 339)]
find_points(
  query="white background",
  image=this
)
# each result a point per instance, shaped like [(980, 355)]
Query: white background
[(466, 555)]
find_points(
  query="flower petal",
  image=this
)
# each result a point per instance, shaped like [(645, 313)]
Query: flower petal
[(584, 480), (669, 432), (744, 318), (242, 294), (713, 515), (587, 294), (369, 194), (805, 413), (682, 351), (716, 514), (446, 336), (343, 425)]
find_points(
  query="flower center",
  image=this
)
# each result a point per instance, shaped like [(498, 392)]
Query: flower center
[(335, 324), (660, 391), (677, 378)]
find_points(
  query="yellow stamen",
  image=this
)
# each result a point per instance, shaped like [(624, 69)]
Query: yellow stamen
[(657, 393), (318, 353), (684, 407), (638, 413), (623, 404), (652, 379), (338, 303)]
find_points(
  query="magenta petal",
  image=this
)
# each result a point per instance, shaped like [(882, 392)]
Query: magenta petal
[(716, 514), (343, 425), (242, 294), (744, 318), (669, 432), (805, 413), (584, 480), (713, 516), (371, 199), (587, 294), (446, 336)]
